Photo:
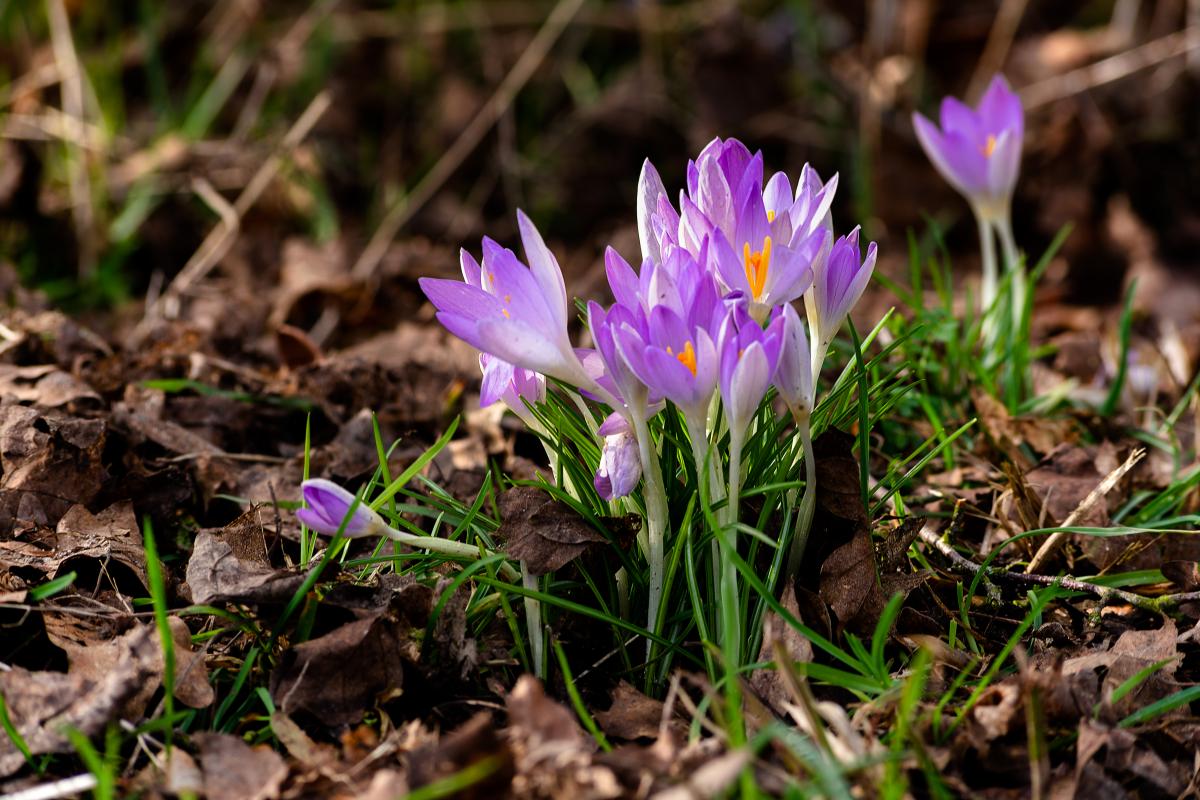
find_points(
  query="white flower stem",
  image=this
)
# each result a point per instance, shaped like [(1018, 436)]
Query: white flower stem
[(698, 433), (533, 621), (804, 515), (987, 251), (448, 547), (1012, 263), (730, 614), (656, 519)]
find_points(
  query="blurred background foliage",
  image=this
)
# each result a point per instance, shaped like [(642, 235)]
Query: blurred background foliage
[(131, 129)]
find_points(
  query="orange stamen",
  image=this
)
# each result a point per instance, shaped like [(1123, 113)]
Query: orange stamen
[(687, 357), (990, 147), (757, 265)]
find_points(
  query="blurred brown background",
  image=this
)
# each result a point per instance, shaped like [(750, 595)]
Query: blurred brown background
[(348, 147)]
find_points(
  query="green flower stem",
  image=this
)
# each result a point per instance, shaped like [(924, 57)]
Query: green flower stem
[(656, 518), (804, 515)]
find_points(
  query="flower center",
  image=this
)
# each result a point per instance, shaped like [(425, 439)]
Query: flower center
[(989, 147), (757, 263), (687, 356)]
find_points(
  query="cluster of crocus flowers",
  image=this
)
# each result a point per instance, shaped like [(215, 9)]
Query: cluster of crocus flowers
[(978, 152), (708, 316), (707, 322)]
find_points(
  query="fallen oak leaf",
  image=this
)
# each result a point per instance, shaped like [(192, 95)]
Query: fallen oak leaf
[(231, 565), (233, 770), (632, 714), (44, 385), (42, 705), (338, 677), (542, 532)]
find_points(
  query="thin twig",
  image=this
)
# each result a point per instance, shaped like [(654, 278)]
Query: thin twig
[(999, 41), (221, 237), (964, 565), (408, 204), (67, 787), (1111, 69), (1051, 545)]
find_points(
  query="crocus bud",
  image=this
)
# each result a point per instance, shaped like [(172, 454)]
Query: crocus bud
[(838, 285), (748, 356), (978, 150), (620, 466), (794, 377), (327, 506)]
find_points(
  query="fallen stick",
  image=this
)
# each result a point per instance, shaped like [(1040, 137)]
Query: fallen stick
[(962, 564)]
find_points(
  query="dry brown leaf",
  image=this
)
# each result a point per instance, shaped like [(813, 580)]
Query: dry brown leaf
[(470, 743), (112, 536), (340, 676), (233, 770), (191, 677), (231, 565), (543, 532), (42, 704), (48, 463), (45, 386), (767, 682), (632, 714)]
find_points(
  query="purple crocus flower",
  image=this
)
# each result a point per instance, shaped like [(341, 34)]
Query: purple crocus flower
[(620, 465), (664, 325), (516, 313), (327, 505), (514, 386), (794, 378), (978, 150), (749, 357), (838, 285), (763, 243)]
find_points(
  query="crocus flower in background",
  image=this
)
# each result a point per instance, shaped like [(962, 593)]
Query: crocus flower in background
[(327, 505), (978, 150), (749, 356), (620, 465), (516, 313), (838, 284)]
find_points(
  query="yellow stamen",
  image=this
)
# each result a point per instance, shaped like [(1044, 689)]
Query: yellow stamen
[(770, 215), (504, 311), (990, 147), (757, 264), (687, 357), (508, 298)]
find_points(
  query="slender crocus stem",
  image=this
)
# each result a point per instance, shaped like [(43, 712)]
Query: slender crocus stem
[(731, 634), (533, 621), (656, 518), (987, 249), (804, 515), (1012, 263), (448, 547), (698, 433)]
